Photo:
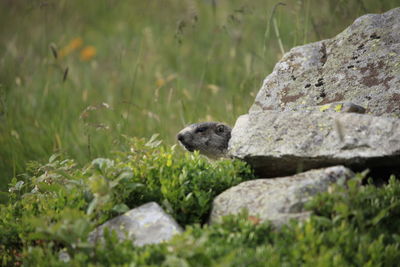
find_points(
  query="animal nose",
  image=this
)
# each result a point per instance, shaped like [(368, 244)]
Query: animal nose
[(180, 137)]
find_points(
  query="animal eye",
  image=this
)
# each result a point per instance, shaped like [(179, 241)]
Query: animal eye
[(201, 129), (220, 129)]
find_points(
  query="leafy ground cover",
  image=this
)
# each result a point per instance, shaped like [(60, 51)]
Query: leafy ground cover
[(59, 202), (53, 208)]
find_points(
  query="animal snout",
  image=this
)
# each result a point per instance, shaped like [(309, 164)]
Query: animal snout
[(184, 139), (180, 137), (184, 136)]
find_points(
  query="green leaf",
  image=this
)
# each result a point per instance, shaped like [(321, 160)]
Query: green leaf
[(153, 142), (101, 164), (17, 187), (54, 157), (120, 208), (92, 206)]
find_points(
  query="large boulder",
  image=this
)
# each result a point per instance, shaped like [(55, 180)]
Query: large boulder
[(278, 143), (147, 224), (360, 65), (277, 200), (300, 118)]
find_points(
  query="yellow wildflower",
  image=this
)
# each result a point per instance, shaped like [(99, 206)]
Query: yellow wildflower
[(72, 46), (76, 43), (88, 53)]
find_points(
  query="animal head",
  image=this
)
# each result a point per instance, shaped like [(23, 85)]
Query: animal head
[(209, 138)]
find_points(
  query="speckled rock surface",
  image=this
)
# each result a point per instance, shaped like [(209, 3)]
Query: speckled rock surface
[(359, 65), (279, 199), (278, 143), (147, 224)]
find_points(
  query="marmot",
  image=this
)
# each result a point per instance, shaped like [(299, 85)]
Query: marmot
[(209, 138)]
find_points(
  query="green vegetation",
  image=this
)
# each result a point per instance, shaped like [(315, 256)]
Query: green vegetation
[(59, 202), (82, 81), (54, 207), (157, 65)]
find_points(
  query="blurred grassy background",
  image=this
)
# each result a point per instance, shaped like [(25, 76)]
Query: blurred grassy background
[(77, 75)]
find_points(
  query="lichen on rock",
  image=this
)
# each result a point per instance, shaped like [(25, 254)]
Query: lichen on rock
[(359, 65)]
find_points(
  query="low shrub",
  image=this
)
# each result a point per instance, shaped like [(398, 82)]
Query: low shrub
[(60, 202), (53, 207)]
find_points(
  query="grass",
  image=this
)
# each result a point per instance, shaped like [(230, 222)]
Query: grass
[(77, 75)]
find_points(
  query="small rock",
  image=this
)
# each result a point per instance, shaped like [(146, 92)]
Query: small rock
[(147, 224), (277, 200)]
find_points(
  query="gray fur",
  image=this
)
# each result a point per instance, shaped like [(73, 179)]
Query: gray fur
[(209, 138)]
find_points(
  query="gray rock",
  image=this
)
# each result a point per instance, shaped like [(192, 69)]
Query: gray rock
[(360, 65), (277, 200), (280, 143), (147, 224)]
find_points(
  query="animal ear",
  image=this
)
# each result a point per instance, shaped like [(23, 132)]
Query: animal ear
[(220, 128)]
